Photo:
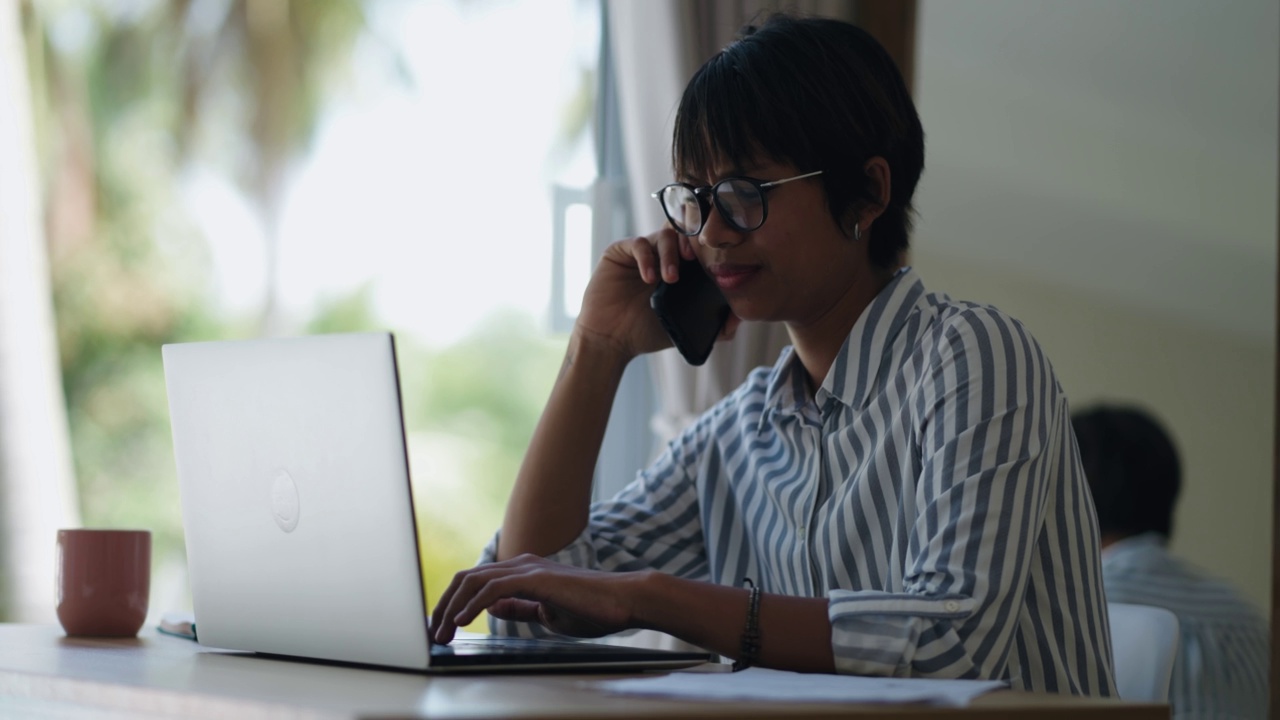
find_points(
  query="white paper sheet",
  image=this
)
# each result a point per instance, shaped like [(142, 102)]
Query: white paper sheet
[(779, 686)]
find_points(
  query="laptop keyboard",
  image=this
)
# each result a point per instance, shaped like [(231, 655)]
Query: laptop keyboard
[(510, 645)]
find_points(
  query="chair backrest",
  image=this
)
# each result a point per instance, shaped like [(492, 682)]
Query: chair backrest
[(1144, 642)]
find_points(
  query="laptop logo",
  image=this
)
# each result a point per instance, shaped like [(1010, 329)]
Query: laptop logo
[(284, 502)]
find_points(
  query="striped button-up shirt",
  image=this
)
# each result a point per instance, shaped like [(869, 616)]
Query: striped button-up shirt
[(1223, 653), (930, 490)]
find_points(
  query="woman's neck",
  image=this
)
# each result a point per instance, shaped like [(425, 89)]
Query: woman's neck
[(817, 343)]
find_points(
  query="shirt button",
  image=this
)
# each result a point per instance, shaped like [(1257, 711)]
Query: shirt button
[(951, 605)]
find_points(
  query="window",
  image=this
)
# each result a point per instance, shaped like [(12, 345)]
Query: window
[(407, 183)]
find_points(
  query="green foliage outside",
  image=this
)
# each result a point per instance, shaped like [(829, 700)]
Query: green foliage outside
[(470, 410), (130, 273)]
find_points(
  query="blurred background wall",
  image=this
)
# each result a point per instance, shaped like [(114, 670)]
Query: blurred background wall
[(1106, 173)]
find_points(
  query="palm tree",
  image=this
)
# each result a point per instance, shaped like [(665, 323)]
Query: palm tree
[(288, 54)]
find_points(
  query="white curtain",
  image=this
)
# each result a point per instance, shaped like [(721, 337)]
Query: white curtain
[(37, 492), (657, 45)]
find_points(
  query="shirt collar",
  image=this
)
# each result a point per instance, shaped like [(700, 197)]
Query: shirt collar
[(858, 364), (785, 392)]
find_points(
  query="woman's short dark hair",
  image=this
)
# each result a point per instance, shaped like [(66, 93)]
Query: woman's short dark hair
[(1132, 468), (819, 94)]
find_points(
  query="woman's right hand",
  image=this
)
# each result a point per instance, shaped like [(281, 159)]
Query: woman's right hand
[(615, 306)]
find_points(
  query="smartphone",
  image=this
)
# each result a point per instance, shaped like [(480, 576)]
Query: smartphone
[(692, 311)]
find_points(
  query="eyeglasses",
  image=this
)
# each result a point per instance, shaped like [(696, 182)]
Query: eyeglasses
[(741, 202)]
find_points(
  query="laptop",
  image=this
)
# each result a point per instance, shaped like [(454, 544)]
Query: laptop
[(298, 516)]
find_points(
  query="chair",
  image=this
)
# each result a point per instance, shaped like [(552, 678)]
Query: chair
[(1144, 642)]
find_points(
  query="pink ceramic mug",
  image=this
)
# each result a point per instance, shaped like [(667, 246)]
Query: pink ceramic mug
[(104, 581)]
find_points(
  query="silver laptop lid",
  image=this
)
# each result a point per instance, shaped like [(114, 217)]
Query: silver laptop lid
[(296, 502)]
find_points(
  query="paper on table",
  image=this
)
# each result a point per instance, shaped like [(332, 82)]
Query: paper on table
[(777, 685), (178, 624)]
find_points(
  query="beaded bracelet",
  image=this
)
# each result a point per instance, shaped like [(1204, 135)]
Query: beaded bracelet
[(751, 635)]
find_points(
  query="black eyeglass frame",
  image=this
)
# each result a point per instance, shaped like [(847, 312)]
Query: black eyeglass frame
[(705, 203)]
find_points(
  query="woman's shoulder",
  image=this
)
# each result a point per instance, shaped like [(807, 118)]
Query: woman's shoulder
[(956, 315), (979, 344), (973, 327)]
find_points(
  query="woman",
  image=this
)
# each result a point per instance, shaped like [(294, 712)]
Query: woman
[(902, 487)]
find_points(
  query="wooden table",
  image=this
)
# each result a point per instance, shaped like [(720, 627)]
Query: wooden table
[(45, 674)]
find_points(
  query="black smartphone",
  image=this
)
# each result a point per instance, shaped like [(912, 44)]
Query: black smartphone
[(692, 311)]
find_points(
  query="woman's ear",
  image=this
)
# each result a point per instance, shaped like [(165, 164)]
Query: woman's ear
[(877, 171)]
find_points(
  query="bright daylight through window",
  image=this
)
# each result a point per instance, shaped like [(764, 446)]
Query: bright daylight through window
[(225, 169)]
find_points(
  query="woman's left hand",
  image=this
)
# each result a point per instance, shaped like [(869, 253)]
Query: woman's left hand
[(527, 588)]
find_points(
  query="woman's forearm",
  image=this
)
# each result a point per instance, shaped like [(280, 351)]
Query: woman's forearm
[(795, 632), (549, 504)]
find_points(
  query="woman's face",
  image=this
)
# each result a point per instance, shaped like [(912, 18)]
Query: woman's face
[(797, 267)]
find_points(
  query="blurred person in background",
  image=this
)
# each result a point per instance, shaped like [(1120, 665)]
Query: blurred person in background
[(1134, 473)]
